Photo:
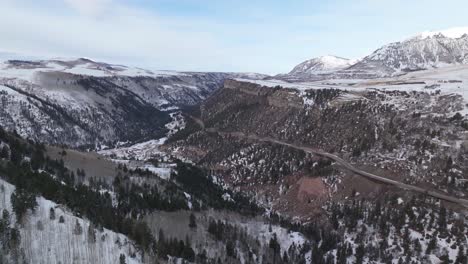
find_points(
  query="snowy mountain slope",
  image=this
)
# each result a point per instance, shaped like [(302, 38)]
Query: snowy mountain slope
[(453, 33), (44, 240), (423, 51), (82, 102), (321, 65), (81, 66), (426, 50)]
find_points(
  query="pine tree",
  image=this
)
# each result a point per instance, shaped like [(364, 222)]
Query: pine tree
[(432, 245), (122, 259), (91, 234), (442, 221), (360, 252), (52, 214), (78, 230), (192, 221), (445, 259), (21, 201), (4, 153), (461, 257), (274, 246)]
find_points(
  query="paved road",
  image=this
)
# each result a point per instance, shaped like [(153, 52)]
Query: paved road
[(345, 164)]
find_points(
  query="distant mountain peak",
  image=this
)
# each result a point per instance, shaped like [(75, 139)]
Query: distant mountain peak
[(430, 49), (321, 65)]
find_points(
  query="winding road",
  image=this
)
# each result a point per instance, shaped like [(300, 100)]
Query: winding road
[(340, 161)]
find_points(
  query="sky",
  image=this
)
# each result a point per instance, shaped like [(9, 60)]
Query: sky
[(265, 36)]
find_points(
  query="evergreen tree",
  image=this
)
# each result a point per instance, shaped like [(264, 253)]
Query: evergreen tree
[(274, 246), (21, 201), (91, 234), (192, 221), (122, 259), (360, 252), (230, 249), (431, 246), (78, 230), (52, 214), (4, 153), (461, 257), (442, 221)]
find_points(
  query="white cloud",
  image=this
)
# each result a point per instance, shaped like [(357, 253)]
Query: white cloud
[(89, 7)]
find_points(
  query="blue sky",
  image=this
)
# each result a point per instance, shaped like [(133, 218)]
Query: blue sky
[(208, 35)]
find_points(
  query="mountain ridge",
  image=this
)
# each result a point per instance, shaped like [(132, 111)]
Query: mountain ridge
[(429, 49)]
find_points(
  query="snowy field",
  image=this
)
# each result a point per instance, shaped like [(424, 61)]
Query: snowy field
[(78, 67)]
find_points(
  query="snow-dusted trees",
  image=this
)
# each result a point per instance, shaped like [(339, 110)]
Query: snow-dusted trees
[(77, 230), (91, 234), (10, 239), (52, 214), (21, 201)]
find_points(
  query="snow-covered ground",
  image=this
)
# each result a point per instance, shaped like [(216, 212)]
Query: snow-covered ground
[(48, 241), (138, 155), (141, 151), (285, 238), (78, 67), (456, 32), (322, 65)]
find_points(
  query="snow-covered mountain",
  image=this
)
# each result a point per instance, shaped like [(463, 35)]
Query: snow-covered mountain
[(321, 65), (80, 102), (427, 50), (432, 49)]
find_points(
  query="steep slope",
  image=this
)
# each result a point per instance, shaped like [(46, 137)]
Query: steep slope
[(386, 127), (82, 102), (255, 136), (46, 239), (51, 215)]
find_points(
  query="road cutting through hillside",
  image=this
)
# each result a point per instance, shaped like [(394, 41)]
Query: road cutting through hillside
[(340, 161)]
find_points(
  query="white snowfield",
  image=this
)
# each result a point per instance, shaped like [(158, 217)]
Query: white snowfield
[(50, 242), (322, 65), (455, 33), (27, 70)]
